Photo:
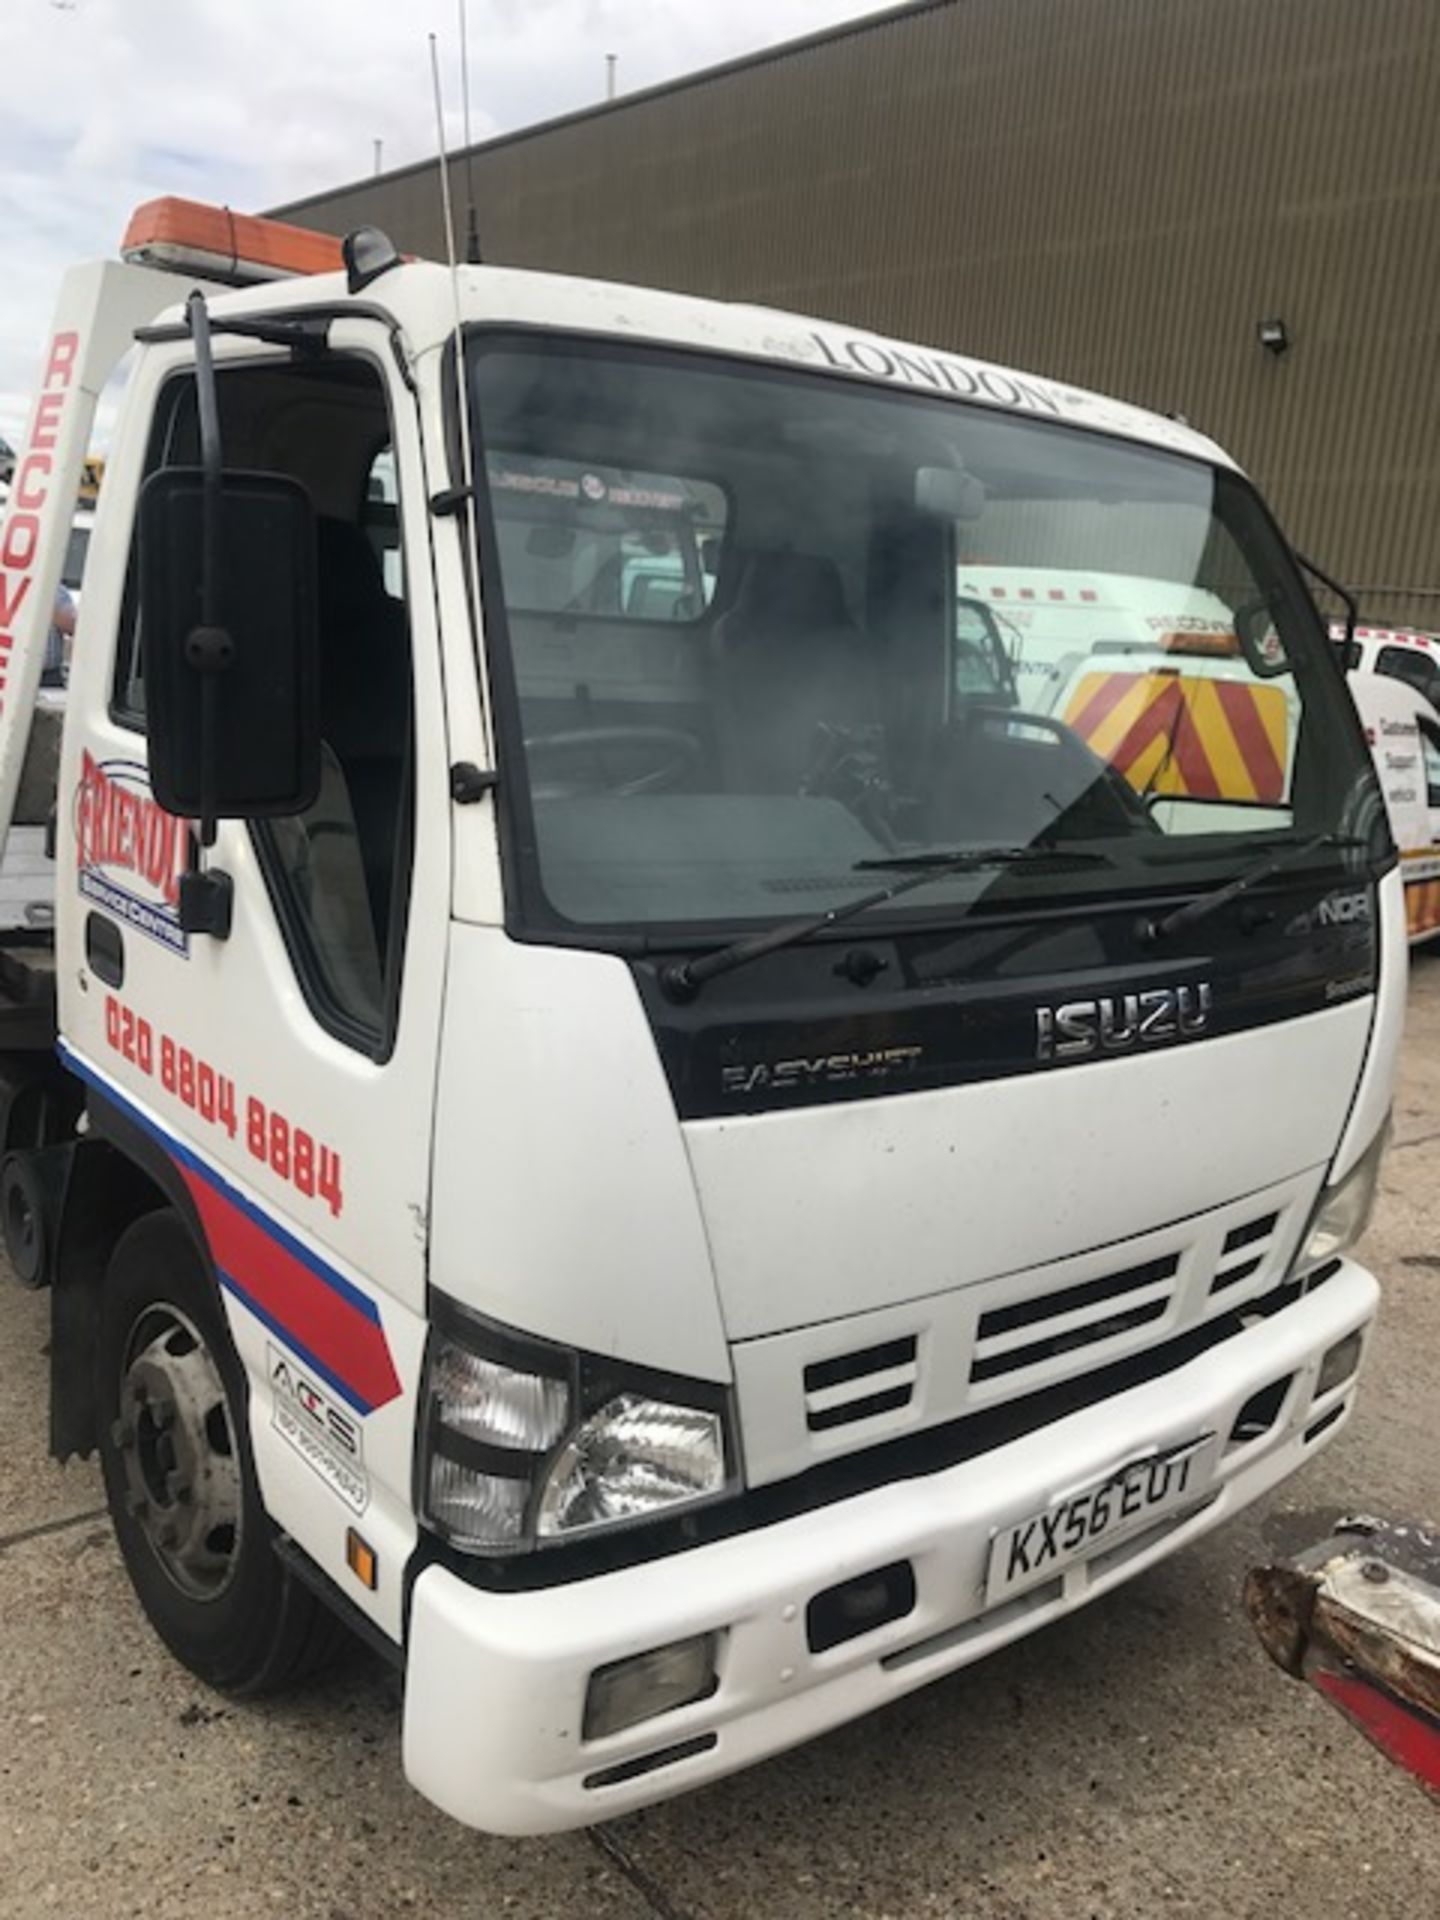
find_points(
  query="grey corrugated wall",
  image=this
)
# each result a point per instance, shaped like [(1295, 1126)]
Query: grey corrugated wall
[(1113, 191)]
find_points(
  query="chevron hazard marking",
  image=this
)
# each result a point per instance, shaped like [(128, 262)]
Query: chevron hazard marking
[(1195, 738)]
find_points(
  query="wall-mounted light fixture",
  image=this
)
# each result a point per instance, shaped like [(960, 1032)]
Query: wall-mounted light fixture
[(1274, 336)]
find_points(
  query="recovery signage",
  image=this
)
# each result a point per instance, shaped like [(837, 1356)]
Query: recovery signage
[(29, 492), (129, 851)]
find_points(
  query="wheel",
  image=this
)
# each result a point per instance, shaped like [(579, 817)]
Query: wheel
[(174, 1446), (22, 1212)]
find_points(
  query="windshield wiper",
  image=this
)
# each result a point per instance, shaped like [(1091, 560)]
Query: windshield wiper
[(683, 979), (1042, 852), (1208, 903)]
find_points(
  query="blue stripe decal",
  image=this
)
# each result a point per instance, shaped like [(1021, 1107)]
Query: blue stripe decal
[(311, 1359), (187, 1157)]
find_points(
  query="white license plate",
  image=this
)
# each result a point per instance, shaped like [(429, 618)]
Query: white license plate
[(1085, 1522)]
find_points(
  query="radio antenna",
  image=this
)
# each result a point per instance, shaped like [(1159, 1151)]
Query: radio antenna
[(466, 490), (472, 222)]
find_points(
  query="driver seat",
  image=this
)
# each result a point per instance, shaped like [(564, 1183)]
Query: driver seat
[(789, 664)]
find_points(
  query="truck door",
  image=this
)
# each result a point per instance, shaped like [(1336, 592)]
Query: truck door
[(281, 1078)]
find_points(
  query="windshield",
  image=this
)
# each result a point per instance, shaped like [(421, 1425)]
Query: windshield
[(752, 632)]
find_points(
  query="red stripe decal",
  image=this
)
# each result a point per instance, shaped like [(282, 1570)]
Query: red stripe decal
[(304, 1309)]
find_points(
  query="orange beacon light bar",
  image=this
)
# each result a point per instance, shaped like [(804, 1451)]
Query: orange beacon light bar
[(184, 236)]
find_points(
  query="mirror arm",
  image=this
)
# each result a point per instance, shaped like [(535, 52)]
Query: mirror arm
[(205, 898), (207, 901), (1346, 599), (450, 500), (208, 646)]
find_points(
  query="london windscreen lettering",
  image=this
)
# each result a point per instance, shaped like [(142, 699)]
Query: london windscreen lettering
[(941, 373)]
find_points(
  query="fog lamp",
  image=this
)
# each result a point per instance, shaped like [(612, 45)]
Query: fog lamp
[(1339, 1363), (629, 1691)]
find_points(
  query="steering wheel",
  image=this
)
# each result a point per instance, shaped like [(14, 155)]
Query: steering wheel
[(673, 752)]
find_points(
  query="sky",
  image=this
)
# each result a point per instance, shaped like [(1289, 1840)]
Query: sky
[(249, 103)]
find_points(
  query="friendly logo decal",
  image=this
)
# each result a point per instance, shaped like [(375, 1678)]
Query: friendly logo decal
[(129, 851)]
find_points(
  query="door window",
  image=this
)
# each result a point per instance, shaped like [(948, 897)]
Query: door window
[(1412, 666), (380, 517), (338, 873)]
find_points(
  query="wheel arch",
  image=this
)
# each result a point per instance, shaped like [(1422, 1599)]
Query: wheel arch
[(39, 1102), (117, 1174)]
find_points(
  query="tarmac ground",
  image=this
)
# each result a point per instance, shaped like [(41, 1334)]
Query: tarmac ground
[(1141, 1758)]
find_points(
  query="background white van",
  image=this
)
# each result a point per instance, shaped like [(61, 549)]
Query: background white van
[(1404, 734)]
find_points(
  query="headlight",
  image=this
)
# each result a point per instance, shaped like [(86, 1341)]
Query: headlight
[(1343, 1211), (522, 1441), (632, 1458)]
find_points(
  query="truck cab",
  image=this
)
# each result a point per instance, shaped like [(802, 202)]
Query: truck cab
[(1398, 653), (658, 1135)]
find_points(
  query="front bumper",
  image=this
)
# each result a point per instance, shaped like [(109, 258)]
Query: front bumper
[(496, 1683)]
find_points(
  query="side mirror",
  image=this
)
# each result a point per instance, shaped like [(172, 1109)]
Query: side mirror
[(1260, 640), (262, 654)]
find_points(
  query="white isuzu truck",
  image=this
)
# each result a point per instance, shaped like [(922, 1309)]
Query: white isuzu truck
[(630, 1119)]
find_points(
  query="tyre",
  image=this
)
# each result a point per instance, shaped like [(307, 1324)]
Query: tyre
[(23, 1218), (174, 1445)]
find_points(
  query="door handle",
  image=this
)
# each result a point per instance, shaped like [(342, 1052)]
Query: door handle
[(105, 949)]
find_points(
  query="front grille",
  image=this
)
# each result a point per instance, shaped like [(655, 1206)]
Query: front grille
[(1026, 1334), (808, 1394), (856, 1386), (1245, 1251)]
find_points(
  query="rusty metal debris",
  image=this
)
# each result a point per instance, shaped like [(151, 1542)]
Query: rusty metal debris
[(1358, 1618)]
